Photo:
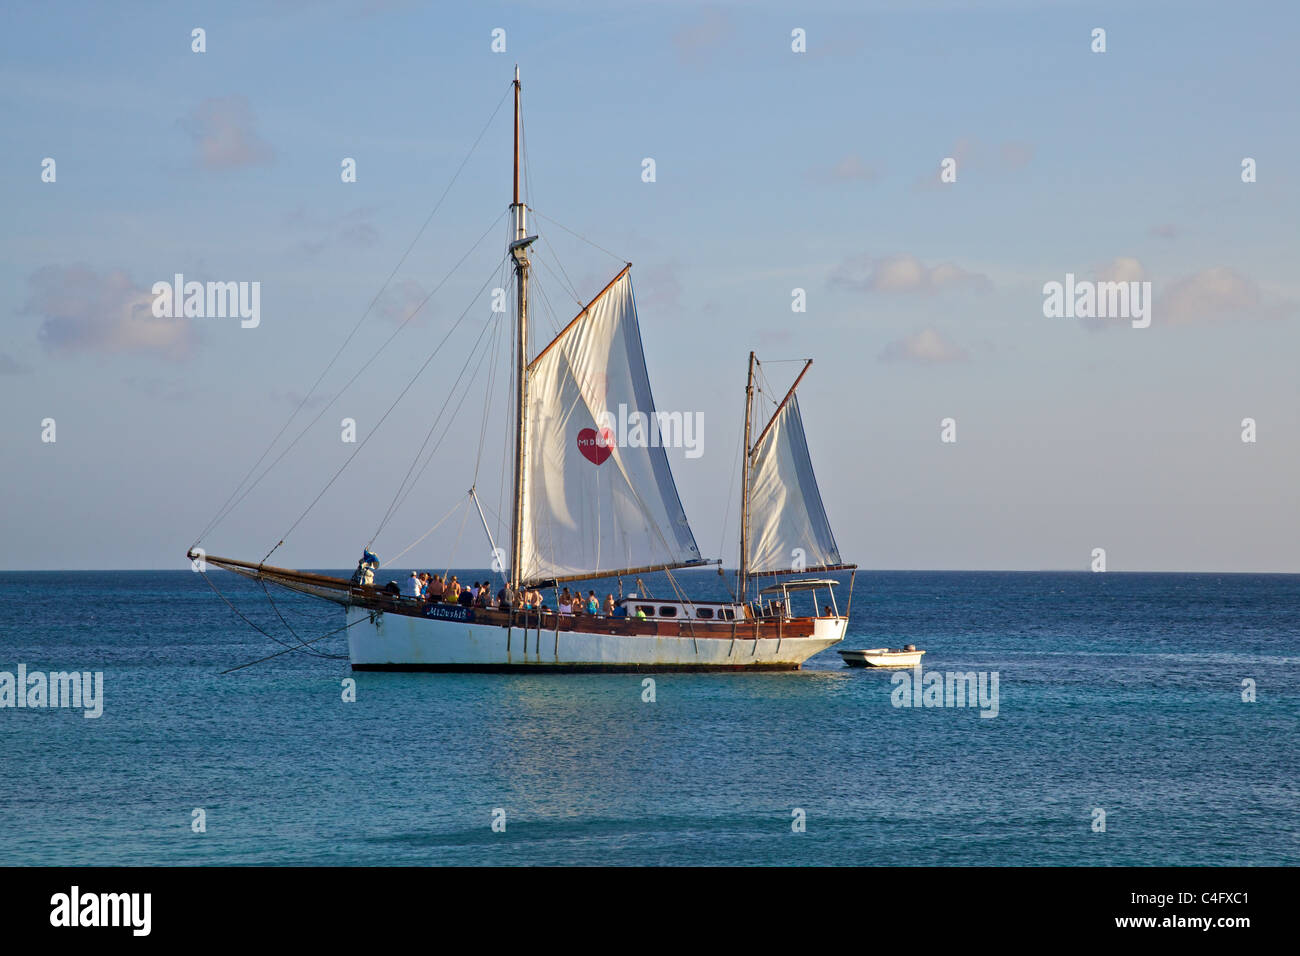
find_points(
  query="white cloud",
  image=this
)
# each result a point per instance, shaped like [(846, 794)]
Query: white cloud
[(1120, 269), (904, 273), (1217, 294), (224, 134), (927, 346), (82, 311)]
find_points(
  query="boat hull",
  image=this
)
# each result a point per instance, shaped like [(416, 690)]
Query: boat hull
[(379, 641), (881, 657)]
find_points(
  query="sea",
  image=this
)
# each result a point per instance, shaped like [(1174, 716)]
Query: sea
[(1141, 719)]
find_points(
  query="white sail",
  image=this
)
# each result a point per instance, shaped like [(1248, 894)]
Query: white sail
[(788, 528), (592, 505)]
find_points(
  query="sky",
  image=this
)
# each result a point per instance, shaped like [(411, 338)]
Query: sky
[(774, 170)]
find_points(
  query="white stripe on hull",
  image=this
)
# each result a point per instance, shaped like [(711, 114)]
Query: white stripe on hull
[(401, 642)]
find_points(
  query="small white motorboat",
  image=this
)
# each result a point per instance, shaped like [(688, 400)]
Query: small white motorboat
[(908, 656)]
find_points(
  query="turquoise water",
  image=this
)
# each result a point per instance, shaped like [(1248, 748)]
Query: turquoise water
[(1116, 691)]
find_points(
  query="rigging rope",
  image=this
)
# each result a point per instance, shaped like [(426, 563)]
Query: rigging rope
[(353, 379), (383, 417), (272, 637), (567, 284), (312, 641), (222, 512), (407, 484), (546, 301), (731, 490), (459, 536), (421, 537), (489, 392), (621, 259)]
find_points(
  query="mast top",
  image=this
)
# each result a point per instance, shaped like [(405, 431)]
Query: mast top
[(519, 215)]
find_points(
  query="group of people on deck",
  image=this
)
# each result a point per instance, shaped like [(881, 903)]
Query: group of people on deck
[(434, 589), (575, 603)]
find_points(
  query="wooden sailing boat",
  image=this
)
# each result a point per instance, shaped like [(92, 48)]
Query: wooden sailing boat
[(586, 508)]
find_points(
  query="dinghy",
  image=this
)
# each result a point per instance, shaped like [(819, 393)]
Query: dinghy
[(907, 656)]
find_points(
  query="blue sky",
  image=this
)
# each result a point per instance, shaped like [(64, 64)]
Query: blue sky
[(774, 171)]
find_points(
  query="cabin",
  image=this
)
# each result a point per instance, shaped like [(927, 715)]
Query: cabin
[(774, 602), (679, 610), (779, 600)]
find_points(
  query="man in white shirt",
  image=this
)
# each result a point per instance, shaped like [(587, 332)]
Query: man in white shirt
[(412, 586)]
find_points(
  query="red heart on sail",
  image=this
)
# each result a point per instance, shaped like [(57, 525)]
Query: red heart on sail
[(595, 446)]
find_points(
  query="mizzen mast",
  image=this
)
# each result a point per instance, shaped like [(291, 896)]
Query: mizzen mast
[(742, 568), (519, 251)]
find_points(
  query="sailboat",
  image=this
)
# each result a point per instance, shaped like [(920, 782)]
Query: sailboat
[(589, 506)]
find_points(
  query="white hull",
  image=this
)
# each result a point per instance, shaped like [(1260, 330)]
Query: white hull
[(881, 657), (379, 641)]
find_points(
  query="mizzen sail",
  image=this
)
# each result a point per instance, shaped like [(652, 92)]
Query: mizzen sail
[(788, 527), (595, 501)]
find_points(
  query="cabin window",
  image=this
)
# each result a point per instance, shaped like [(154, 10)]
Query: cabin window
[(727, 614), (704, 613), (647, 609), (668, 612)]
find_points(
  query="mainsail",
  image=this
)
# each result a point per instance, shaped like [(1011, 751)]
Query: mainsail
[(788, 528), (595, 502)]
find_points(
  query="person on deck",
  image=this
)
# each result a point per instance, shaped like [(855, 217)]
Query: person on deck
[(593, 603), (452, 593), (565, 608), (640, 613), (565, 597), (411, 588), (436, 587), (576, 604), (609, 605), (467, 596)]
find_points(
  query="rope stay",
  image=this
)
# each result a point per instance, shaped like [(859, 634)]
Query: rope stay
[(288, 647), (349, 384), (371, 434), (226, 507), (620, 259), (408, 483)]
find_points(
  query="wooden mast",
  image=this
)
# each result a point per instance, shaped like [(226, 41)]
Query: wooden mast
[(574, 321), (743, 568), (749, 451), (519, 250), (785, 401)]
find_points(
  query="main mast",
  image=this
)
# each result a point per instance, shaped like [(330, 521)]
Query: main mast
[(519, 251)]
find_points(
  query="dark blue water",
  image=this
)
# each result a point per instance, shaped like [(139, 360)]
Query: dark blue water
[(1116, 691)]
